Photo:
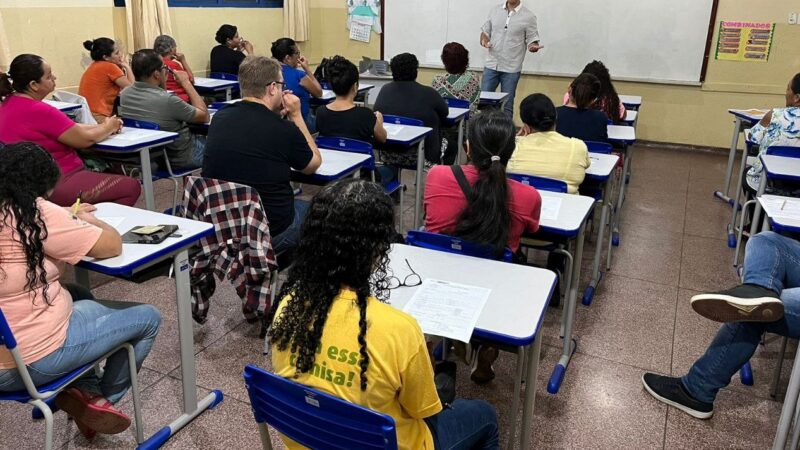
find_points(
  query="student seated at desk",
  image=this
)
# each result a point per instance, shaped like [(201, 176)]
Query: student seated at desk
[(298, 76), (250, 143), (607, 100), (780, 126), (334, 300), (56, 332), (405, 97), (148, 100), (542, 151), (103, 80), (25, 117), (342, 118), (226, 57), (767, 302), (478, 203), (459, 82), (175, 62), (577, 119)]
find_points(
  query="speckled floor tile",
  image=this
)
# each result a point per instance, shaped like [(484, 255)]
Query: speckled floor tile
[(648, 254), (707, 264), (707, 217)]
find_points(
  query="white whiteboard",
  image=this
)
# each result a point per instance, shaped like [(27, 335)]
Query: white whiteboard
[(640, 40)]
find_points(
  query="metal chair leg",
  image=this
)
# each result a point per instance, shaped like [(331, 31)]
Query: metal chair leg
[(137, 407), (48, 422), (776, 377)]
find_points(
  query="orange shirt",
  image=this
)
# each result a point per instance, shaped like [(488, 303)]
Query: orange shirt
[(99, 87), (40, 328)]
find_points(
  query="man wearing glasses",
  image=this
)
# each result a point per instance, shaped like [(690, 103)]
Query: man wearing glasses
[(250, 143), (149, 100)]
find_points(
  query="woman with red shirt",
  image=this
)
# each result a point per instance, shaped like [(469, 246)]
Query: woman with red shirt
[(176, 62)]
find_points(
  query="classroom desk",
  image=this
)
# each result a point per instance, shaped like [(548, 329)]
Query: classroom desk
[(336, 165), (512, 316), (743, 119), (137, 257), (630, 117), (633, 102), (626, 137), (378, 81), (63, 106), (775, 168), (600, 171), (328, 96), (213, 85), (490, 98), (569, 223), (407, 136), (137, 140), (458, 117)]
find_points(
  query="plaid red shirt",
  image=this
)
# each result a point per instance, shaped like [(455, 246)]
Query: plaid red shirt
[(241, 249)]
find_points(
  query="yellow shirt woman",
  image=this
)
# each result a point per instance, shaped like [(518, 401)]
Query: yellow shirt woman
[(549, 154)]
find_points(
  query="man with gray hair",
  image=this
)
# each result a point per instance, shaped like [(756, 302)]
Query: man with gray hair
[(251, 143), (166, 46)]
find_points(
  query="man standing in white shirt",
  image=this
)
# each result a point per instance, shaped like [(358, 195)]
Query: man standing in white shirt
[(509, 31)]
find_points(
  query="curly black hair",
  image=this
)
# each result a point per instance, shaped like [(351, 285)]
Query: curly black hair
[(342, 74), (404, 67), (27, 172), (345, 241), (608, 100)]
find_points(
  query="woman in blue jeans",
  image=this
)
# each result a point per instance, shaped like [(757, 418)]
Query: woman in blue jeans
[(767, 301), (60, 328)]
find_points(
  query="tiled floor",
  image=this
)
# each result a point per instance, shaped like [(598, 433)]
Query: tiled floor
[(673, 245)]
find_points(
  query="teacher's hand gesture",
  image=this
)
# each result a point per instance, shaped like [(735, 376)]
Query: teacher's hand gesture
[(485, 41), (535, 47)]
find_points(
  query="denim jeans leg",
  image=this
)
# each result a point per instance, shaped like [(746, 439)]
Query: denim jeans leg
[(291, 236), (466, 424), (490, 80), (95, 328), (734, 345), (198, 150), (772, 261), (508, 84)]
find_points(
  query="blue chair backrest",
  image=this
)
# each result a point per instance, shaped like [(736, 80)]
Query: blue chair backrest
[(6, 336), (451, 244), (347, 145), (545, 184), (134, 123), (784, 150), (599, 147), (325, 84), (400, 120), (224, 76), (457, 103), (313, 418)]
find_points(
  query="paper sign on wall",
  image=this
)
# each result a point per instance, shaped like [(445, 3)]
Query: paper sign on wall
[(744, 41)]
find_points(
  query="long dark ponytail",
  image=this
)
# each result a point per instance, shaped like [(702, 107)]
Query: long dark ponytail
[(345, 240), (486, 219), (27, 172), (608, 100)]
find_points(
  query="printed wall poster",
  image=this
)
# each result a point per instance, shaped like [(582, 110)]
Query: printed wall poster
[(744, 41)]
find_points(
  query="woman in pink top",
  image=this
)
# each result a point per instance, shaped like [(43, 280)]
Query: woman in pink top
[(25, 117), (55, 332), (497, 210)]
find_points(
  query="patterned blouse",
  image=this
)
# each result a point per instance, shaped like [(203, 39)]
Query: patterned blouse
[(466, 86), (783, 129)]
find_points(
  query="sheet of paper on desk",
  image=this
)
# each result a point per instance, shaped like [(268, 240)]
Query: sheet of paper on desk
[(447, 309), (393, 130), (783, 207), (550, 208), (131, 134), (113, 221), (755, 112)]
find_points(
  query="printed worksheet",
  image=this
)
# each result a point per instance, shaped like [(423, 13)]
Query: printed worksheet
[(781, 207), (550, 208), (393, 129), (447, 309)]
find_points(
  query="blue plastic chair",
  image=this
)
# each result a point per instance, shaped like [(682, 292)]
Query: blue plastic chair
[(42, 396), (312, 418), (598, 147), (541, 183), (400, 120), (175, 175), (355, 146), (457, 103), (451, 244), (784, 150), (223, 76)]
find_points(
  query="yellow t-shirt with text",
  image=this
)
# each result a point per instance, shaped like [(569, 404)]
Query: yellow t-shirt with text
[(399, 376)]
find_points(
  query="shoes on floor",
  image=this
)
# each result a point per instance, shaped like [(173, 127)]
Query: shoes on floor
[(744, 303), (483, 372), (92, 411), (670, 390)]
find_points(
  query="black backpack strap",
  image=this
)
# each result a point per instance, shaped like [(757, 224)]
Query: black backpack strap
[(462, 180)]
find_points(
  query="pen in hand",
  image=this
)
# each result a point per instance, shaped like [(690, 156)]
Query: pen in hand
[(77, 206)]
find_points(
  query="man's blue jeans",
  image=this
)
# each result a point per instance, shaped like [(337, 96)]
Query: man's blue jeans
[(771, 261), (466, 424), (289, 238), (508, 84), (95, 327)]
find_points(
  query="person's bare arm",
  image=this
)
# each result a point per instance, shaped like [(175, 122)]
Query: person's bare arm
[(291, 109), (182, 59), (379, 133), (201, 116), (126, 80), (110, 242), (309, 81), (766, 119), (83, 136)]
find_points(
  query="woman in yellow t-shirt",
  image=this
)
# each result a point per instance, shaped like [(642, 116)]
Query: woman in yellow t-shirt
[(333, 331)]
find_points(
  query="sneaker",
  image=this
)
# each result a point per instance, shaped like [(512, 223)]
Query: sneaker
[(483, 372), (744, 303), (670, 390)]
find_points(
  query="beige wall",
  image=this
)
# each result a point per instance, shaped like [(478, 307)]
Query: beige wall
[(680, 114)]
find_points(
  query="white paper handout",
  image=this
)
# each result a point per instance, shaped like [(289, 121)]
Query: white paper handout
[(132, 134), (781, 207), (113, 221), (550, 208), (393, 129), (447, 309)]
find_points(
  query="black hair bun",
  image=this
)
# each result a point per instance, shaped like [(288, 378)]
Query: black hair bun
[(88, 45)]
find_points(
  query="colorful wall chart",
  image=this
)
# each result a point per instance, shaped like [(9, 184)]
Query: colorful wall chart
[(744, 41)]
